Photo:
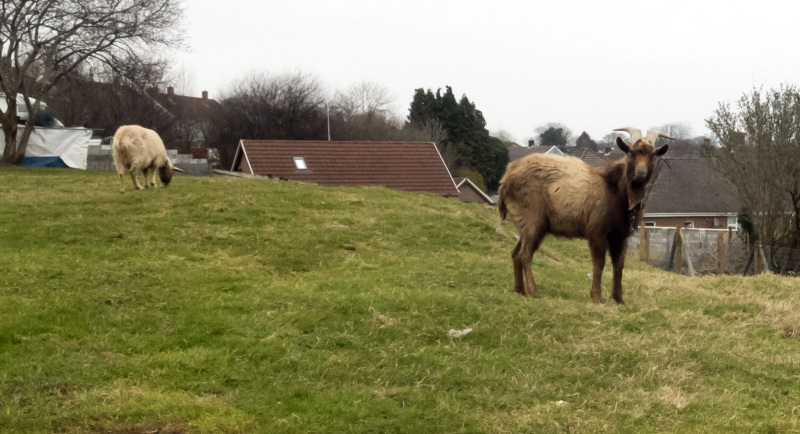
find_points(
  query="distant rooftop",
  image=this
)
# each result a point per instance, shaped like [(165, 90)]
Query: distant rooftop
[(408, 166), (690, 186)]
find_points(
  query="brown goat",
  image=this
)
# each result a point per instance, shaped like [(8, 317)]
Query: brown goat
[(563, 196)]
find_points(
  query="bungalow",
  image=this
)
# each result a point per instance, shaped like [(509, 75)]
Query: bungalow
[(408, 166), (469, 192), (515, 152), (690, 193)]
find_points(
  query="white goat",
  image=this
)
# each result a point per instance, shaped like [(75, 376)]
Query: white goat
[(137, 148)]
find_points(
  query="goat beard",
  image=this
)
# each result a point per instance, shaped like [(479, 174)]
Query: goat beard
[(635, 196)]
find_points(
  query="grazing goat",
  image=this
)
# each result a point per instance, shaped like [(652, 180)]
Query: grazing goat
[(137, 148), (563, 196)]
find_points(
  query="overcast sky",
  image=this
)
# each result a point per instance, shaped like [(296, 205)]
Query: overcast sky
[(591, 65)]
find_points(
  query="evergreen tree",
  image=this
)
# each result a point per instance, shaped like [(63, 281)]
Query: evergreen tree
[(584, 141), (468, 145), (553, 137)]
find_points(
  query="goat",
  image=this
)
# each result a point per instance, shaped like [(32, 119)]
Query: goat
[(564, 196), (137, 148)]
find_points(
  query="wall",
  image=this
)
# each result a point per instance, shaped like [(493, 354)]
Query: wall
[(467, 194), (99, 158), (699, 222), (701, 245)]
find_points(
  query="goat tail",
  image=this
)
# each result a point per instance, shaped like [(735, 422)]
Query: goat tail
[(502, 209)]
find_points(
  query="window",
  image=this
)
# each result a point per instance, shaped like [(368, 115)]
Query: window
[(300, 164), (688, 224), (650, 224)]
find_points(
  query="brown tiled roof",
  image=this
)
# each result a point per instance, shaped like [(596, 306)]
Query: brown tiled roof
[(688, 186), (408, 166), (612, 154), (590, 157)]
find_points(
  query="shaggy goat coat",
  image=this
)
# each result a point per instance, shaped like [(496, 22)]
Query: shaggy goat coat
[(563, 196), (137, 148)]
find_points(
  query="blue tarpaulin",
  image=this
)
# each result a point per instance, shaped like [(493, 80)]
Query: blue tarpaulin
[(56, 147), (43, 162)]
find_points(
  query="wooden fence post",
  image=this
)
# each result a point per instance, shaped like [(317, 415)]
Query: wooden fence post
[(757, 265), (678, 251), (720, 252), (685, 249), (645, 243)]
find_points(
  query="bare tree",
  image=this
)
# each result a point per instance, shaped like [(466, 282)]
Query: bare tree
[(503, 135), (42, 41), (675, 130), (182, 79), (363, 112), (364, 98), (266, 107), (759, 153)]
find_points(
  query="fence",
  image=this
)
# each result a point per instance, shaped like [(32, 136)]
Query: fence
[(704, 251)]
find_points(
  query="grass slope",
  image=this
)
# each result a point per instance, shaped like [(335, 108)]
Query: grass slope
[(253, 306)]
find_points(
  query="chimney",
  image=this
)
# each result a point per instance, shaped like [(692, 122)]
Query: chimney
[(531, 142), (205, 95), (170, 90)]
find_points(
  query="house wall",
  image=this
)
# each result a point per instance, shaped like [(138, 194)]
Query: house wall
[(467, 194), (699, 222)]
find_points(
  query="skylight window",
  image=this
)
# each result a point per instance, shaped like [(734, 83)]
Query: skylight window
[(300, 164)]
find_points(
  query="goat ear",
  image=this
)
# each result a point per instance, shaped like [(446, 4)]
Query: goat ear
[(623, 146), (662, 150)]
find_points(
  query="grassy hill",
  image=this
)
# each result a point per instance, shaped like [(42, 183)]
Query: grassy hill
[(239, 305)]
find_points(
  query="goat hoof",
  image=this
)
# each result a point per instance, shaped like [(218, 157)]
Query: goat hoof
[(598, 300)]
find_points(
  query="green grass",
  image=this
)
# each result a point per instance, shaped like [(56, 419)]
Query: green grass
[(232, 305)]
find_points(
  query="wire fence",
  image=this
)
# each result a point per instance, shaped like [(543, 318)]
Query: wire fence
[(709, 251)]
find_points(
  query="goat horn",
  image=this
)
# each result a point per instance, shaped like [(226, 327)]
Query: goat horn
[(653, 135), (635, 133), (172, 166)]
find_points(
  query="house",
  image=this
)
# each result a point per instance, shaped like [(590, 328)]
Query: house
[(180, 120), (690, 193), (408, 166), (590, 157), (515, 152), (193, 117), (469, 192)]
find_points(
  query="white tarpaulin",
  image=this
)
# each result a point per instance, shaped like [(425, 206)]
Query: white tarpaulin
[(69, 144)]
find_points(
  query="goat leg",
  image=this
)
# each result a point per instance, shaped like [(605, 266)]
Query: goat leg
[(519, 284), (617, 251), (134, 171), (598, 263)]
